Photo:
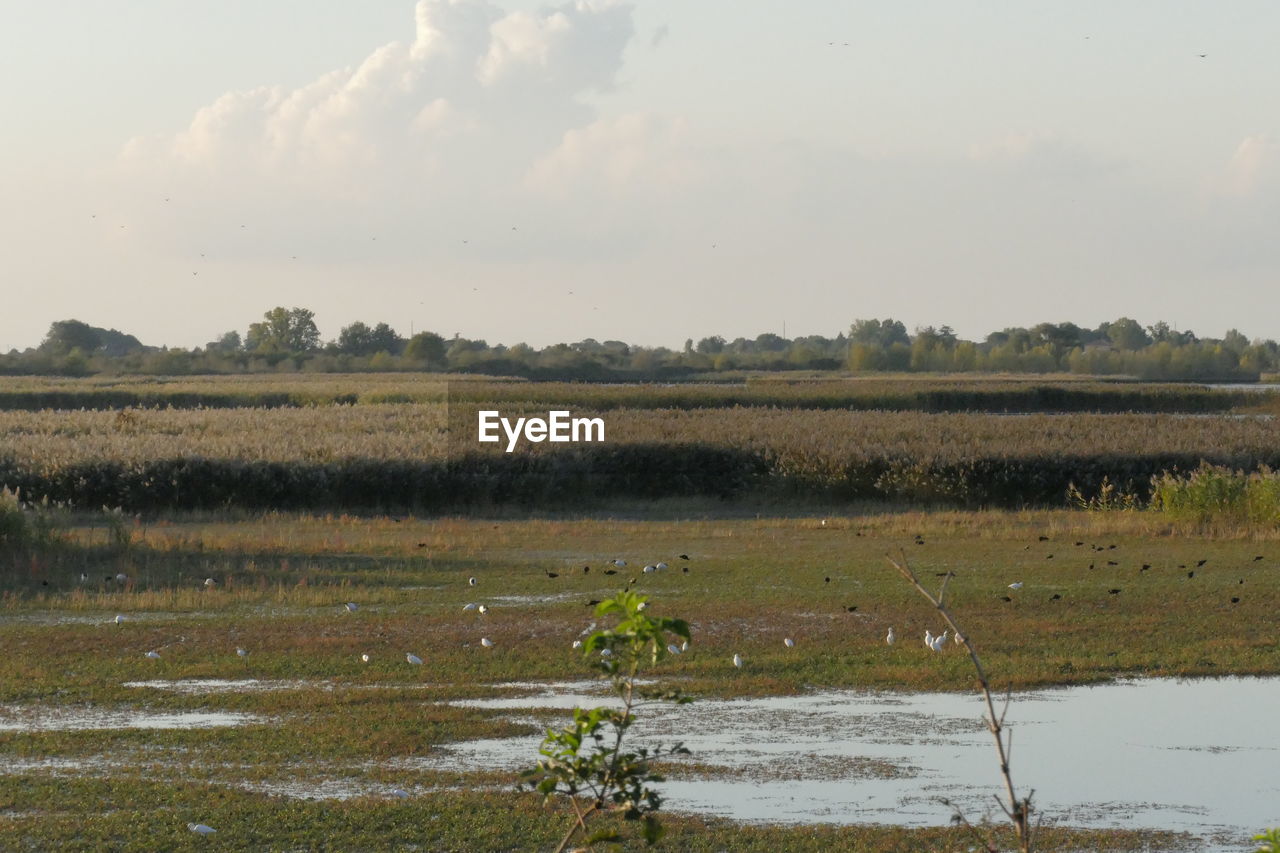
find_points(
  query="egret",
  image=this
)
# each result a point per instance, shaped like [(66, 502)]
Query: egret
[(789, 643), (210, 582), (244, 653), (737, 661), (413, 659), (351, 606), (471, 606), (674, 649), (890, 637), (959, 638), (401, 793), (577, 644), (936, 645), (482, 609), (684, 647), (472, 581), (153, 654), (121, 578), (202, 829), (365, 658), (660, 566), (486, 642), (1017, 585), (119, 618), (928, 638)]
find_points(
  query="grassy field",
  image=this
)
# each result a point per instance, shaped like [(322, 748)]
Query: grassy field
[(281, 582), (774, 504)]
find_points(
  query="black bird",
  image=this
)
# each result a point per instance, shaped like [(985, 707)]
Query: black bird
[(1091, 566), (1114, 591), (1235, 599), (1005, 598), (1078, 544), (1112, 563), (586, 570), (1050, 557), (1257, 558), (632, 582), (1055, 596), (851, 608), (610, 571), (1200, 563), (684, 556), (553, 575), (593, 602), (1241, 581), (685, 570), (1111, 547), (944, 574), (1044, 538), (1191, 573), (422, 544), (1145, 567), (826, 580), (919, 541)]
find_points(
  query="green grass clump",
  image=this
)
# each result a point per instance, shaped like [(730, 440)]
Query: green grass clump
[(1214, 494)]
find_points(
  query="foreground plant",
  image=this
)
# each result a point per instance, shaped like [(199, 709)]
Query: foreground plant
[(1270, 841), (1018, 810), (587, 756)]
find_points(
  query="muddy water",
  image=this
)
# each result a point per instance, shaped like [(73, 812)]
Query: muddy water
[(1197, 755)]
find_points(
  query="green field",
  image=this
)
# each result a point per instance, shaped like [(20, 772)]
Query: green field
[(771, 561)]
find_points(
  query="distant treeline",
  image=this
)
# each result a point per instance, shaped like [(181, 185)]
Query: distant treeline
[(287, 340)]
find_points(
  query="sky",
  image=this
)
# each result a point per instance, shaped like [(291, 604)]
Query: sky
[(647, 171)]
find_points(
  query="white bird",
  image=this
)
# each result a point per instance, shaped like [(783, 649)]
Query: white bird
[(1017, 585), (365, 657), (413, 659), (660, 566), (789, 643), (587, 630), (642, 605), (577, 644), (890, 637), (210, 582), (737, 661), (351, 606), (606, 653), (119, 618), (471, 606), (201, 828), (674, 649), (482, 609), (153, 654), (472, 581), (684, 647), (959, 640), (486, 642), (242, 653), (122, 577), (401, 793), (928, 638), (936, 645), (620, 563), (650, 569)]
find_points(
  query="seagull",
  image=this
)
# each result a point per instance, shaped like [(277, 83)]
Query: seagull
[(890, 637), (650, 569), (789, 643), (202, 829), (413, 659), (1017, 585), (210, 582), (401, 793), (471, 606), (153, 654), (365, 658), (472, 581), (119, 618), (243, 653), (737, 661), (660, 566), (486, 642), (620, 563), (122, 577), (351, 606), (674, 649)]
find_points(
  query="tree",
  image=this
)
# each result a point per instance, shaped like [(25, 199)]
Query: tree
[(67, 335), (228, 342), (284, 331), (713, 345), (426, 347), (1127, 334), (883, 333)]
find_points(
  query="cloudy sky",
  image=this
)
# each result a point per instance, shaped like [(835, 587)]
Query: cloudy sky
[(644, 171)]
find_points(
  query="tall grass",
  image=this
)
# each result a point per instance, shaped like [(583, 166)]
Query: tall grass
[(1215, 493)]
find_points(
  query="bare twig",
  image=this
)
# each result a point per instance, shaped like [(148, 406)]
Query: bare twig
[(1017, 810)]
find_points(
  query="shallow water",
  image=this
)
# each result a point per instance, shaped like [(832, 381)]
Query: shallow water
[(1194, 755), (15, 718)]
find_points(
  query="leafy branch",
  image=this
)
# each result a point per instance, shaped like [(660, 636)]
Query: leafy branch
[(606, 778)]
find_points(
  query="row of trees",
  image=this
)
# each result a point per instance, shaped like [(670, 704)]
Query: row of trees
[(288, 339)]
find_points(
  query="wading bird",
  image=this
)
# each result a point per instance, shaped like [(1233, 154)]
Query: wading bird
[(486, 642), (737, 661), (890, 637), (413, 659), (789, 643), (201, 829)]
